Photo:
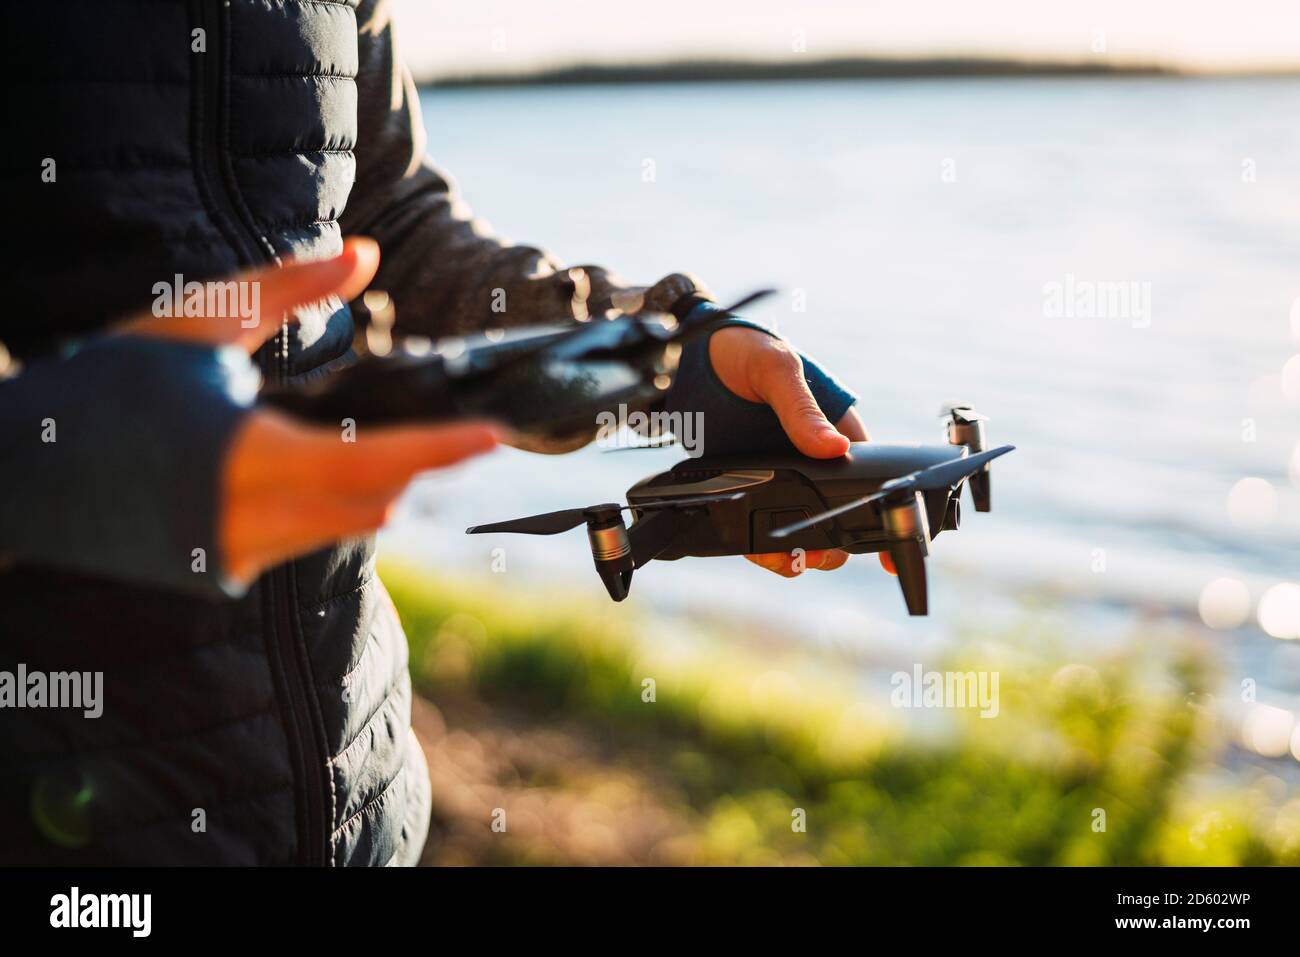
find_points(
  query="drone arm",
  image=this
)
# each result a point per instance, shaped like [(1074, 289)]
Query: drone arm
[(653, 533)]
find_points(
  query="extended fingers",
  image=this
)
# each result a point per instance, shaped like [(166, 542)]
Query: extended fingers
[(274, 450), (272, 293), (284, 288), (379, 459), (831, 559), (289, 488), (302, 283), (793, 564), (265, 527), (777, 378)]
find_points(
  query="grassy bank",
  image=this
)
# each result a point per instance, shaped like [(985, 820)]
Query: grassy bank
[(577, 718)]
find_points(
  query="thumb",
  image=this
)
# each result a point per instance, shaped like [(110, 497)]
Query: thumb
[(271, 292), (781, 385)]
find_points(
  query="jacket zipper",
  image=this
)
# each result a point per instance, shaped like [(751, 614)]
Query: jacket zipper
[(286, 650)]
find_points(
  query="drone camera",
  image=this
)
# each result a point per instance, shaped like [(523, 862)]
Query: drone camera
[(952, 517)]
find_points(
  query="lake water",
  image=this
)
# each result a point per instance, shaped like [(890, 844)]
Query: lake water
[(922, 225)]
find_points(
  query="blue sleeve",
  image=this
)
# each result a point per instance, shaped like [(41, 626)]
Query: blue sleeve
[(730, 423), (111, 460)]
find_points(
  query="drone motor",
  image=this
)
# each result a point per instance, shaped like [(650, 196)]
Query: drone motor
[(966, 427), (611, 549)]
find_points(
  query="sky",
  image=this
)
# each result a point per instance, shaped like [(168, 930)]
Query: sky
[(448, 37)]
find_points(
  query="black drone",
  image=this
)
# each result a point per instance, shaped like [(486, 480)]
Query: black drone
[(877, 498), (554, 380)]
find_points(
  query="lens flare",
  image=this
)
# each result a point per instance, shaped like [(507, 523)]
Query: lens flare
[(61, 810)]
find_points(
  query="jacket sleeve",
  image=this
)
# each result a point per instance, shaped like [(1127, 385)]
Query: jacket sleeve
[(111, 460), (446, 272)]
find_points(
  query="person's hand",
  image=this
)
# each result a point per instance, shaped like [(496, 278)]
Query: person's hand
[(288, 488), (762, 368)]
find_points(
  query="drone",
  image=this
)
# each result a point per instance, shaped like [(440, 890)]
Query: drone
[(546, 380), (878, 497), (553, 380)]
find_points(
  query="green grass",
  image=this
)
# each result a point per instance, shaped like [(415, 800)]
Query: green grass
[(748, 737)]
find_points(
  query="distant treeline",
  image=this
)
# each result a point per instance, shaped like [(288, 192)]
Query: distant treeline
[(843, 68)]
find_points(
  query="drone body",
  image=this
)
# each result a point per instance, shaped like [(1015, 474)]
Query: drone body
[(555, 381), (782, 490), (876, 498)]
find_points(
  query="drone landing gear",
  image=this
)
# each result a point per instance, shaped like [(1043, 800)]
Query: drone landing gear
[(908, 527), (981, 490), (902, 507)]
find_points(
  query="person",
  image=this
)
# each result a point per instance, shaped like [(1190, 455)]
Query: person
[(210, 558)]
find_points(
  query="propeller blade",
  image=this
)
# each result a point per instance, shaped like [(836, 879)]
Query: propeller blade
[(946, 473), (548, 523), (552, 523), (961, 412), (661, 443), (688, 331), (936, 476), (749, 300)]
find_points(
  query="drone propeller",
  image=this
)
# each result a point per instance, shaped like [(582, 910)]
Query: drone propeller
[(966, 427), (936, 476), (660, 442), (552, 523), (749, 300), (611, 544), (547, 523), (961, 412)]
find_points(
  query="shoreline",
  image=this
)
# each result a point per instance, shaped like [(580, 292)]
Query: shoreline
[(834, 68)]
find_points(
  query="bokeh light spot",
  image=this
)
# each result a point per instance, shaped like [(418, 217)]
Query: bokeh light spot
[(1224, 604), (1267, 730), (1252, 502), (1279, 611), (1291, 379)]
